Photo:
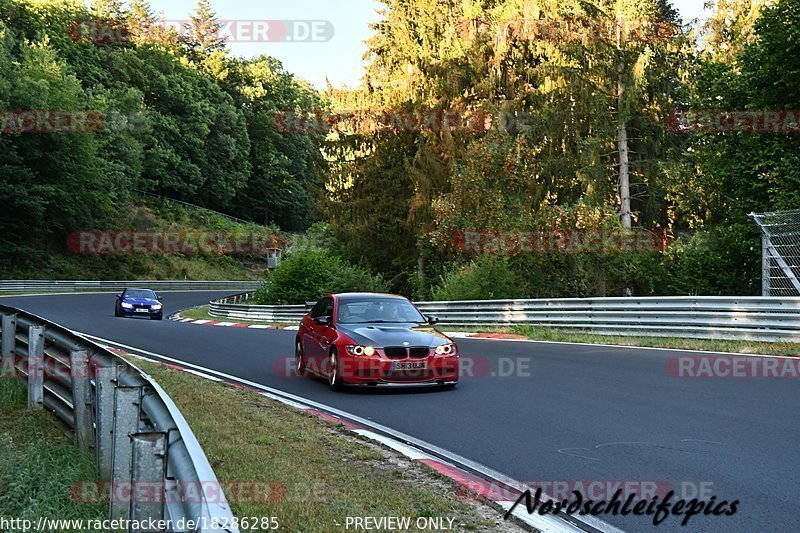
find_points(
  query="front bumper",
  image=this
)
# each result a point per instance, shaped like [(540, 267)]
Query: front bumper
[(138, 312), (379, 370)]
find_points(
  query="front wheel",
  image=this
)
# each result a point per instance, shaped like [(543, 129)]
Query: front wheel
[(156, 317), (334, 372), (117, 311), (299, 359)]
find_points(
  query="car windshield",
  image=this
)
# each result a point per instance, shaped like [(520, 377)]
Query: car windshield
[(140, 293), (378, 311)]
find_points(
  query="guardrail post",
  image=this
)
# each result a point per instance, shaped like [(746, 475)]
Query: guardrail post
[(35, 367), (8, 342), (127, 404), (104, 383), (81, 398), (147, 476)]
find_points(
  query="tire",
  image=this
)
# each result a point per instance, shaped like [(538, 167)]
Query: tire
[(117, 312), (299, 359), (334, 375), (157, 317)]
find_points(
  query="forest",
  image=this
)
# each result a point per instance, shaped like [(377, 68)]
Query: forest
[(475, 120)]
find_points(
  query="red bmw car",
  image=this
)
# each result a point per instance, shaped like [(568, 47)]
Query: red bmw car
[(371, 340)]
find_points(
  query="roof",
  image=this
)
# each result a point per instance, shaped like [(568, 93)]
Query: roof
[(359, 295)]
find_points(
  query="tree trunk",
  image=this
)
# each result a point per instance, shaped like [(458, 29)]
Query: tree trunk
[(624, 173), (622, 137)]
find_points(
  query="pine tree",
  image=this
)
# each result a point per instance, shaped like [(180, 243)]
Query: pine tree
[(108, 9), (204, 34), (731, 27), (141, 21)]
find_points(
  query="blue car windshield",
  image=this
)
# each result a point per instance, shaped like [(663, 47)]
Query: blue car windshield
[(140, 293), (378, 311)]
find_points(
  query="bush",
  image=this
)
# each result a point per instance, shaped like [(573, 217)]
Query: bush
[(724, 261), (487, 278), (309, 275)]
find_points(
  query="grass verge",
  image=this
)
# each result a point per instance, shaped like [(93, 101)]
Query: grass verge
[(319, 473), (741, 347), (38, 464)]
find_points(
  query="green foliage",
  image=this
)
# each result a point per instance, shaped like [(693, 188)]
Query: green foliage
[(309, 275), (39, 466), (178, 118), (721, 262), (486, 278)]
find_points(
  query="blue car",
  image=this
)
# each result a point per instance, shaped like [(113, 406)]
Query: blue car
[(139, 302)]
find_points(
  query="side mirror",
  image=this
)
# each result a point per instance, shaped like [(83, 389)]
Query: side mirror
[(323, 320), (159, 298), (432, 320), (119, 295)]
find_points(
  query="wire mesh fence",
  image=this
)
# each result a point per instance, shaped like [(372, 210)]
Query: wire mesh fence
[(780, 252)]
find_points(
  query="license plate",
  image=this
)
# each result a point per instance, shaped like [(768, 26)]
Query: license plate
[(410, 366), (142, 310)]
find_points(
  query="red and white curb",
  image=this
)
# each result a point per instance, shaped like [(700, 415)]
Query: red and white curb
[(492, 488), (179, 318)]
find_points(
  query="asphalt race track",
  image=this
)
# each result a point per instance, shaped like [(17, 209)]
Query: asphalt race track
[(582, 413)]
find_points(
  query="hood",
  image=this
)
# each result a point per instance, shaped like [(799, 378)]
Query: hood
[(383, 335), (140, 301)]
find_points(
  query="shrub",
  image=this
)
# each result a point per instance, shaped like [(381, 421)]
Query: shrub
[(724, 261), (486, 278), (309, 275)]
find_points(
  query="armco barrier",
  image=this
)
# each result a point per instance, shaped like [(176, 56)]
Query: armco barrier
[(236, 307), (725, 318), (89, 286), (106, 404)]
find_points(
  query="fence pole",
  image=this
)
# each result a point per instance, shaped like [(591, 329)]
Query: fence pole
[(8, 341), (147, 476), (127, 404), (35, 367), (766, 265), (104, 383), (82, 398)]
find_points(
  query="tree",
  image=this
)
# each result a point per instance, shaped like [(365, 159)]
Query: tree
[(730, 28), (204, 33), (108, 9)]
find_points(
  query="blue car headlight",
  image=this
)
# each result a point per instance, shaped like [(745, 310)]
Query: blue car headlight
[(156, 307), (126, 305)]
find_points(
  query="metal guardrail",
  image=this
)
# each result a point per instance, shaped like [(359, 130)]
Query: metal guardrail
[(236, 307), (724, 318), (75, 286), (143, 446)]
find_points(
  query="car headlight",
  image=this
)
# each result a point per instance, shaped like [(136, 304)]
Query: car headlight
[(156, 307), (446, 349), (127, 305), (360, 351)]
